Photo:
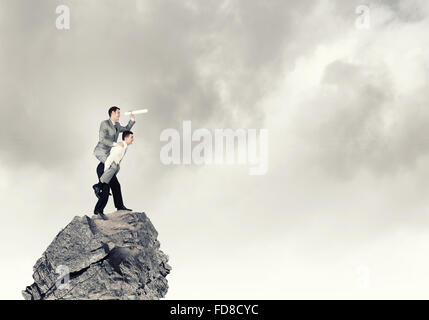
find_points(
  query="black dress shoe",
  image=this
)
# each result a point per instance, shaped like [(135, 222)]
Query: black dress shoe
[(124, 208), (101, 214), (97, 190)]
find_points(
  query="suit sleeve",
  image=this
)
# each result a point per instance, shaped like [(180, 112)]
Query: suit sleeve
[(103, 136), (128, 126)]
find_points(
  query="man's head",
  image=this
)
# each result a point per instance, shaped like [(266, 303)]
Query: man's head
[(114, 113), (128, 137)]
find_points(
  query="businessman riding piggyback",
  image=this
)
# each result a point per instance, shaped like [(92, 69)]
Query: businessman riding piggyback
[(110, 153)]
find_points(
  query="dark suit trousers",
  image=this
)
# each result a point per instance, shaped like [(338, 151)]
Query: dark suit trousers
[(114, 186)]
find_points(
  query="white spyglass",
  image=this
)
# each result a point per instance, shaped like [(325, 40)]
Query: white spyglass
[(136, 111)]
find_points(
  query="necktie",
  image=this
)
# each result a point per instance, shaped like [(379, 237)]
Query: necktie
[(116, 128)]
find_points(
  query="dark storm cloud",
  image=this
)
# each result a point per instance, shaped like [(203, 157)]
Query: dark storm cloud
[(359, 123), (178, 58), (174, 56), (215, 62)]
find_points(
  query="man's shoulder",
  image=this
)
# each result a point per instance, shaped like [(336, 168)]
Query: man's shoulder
[(115, 150)]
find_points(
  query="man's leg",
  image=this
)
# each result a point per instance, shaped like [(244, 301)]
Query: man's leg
[(100, 170), (116, 191), (102, 157), (102, 201)]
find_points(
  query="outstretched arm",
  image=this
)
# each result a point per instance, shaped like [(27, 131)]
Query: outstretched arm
[(129, 125)]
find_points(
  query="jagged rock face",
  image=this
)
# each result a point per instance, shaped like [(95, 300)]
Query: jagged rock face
[(93, 258)]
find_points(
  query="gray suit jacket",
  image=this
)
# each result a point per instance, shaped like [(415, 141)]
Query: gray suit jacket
[(108, 135)]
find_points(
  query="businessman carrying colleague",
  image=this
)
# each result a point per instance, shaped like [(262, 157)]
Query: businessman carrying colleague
[(108, 135)]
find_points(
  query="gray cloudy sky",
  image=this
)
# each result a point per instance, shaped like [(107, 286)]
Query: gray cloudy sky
[(346, 110)]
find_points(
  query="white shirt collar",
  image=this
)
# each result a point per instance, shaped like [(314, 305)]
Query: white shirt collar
[(113, 124)]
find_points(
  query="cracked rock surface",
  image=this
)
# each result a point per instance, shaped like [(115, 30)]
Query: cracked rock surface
[(91, 258)]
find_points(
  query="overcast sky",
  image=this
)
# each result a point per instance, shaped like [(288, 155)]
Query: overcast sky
[(342, 211)]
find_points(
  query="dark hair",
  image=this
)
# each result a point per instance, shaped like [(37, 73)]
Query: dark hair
[(126, 133), (113, 109)]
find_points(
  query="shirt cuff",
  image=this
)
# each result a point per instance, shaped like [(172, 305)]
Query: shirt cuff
[(114, 144), (132, 119)]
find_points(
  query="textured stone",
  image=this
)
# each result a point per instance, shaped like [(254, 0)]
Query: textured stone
[(119, 258)]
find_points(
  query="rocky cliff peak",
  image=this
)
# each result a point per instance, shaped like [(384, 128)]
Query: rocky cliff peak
[(91, 258)]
